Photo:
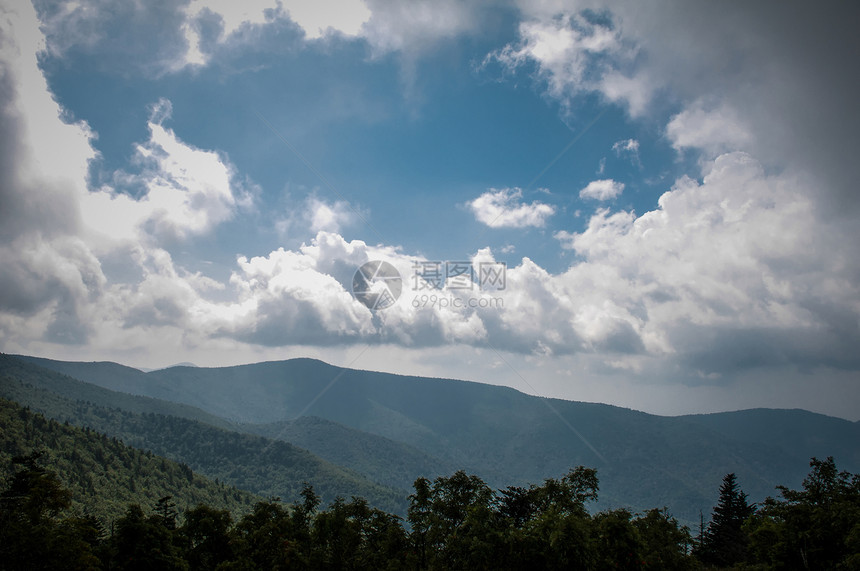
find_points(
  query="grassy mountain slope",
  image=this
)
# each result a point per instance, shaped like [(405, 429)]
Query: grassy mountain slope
[(103, 474)]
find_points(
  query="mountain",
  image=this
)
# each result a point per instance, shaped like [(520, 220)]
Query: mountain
[(796, 432), (504, 436), (103, 474), (381, 459), (27, 376), (260, 465)]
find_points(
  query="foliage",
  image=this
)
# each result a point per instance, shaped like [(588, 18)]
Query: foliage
[(257, 464), (817, 527), (102, 474), (724, 542), (458, 522), (499, 434), (455, 522)]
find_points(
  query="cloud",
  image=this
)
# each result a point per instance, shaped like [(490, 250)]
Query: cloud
[(388, 26), (714, 131), (327, 217), (503, 209), (574, 53), (706, 286), (628, 148), (774, 72), (317, 19), (413, 27), (604, 189), (48, 271), (714, 258), (186, 191), (146, 37), (60, 237)]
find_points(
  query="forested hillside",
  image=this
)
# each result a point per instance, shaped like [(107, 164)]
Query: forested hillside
[(455, 522), (502, 435), (260, 465), (103, 474), (383, 460)]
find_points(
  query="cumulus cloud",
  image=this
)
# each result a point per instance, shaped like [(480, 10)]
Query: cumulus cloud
[(774, 72), (48, 271), (714, 131), (603, 189), (187, 191), (58, 234), (323, 216), (574, 53), (316, 18), (707, 283), (176, 36), (714, 258), (503, 209)]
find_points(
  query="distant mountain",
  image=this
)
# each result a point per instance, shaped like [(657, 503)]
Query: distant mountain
[(182, 364), (260, 465), (103, 474), (796, 432), (381, 459), (505, 436), (27, 374)]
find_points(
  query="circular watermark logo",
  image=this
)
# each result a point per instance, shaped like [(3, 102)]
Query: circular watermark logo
[(377, 284)]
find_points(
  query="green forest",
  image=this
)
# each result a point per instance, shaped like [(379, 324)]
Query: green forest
[(54, 514)]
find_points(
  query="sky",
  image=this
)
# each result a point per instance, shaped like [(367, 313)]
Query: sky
[(651, 205)]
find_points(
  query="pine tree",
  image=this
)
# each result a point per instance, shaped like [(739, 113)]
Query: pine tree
[(725, 541)]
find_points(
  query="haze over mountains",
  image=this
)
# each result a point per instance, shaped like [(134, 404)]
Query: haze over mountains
[(377, 432)]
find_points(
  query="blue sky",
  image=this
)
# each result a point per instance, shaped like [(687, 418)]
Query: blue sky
[(672, 190)]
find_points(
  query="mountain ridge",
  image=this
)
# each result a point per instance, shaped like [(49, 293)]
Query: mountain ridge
[(508, 437)]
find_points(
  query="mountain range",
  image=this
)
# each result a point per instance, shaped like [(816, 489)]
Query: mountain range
[(378, 432)]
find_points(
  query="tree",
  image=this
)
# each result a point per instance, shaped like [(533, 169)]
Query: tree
[(725, 539), (664, 542), (144, 543), (812, 528), (165, 509), (205, 535), (264, 539), (31, 535)]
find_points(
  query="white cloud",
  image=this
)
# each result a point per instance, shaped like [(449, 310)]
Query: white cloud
[(574, 53), (414, 26), (628, 148), (188, 191), (49, 273), (317, 17), (707, 284), (58, 235), (386, 25), (323, 216), (603, 189), (714, 131), (503, 209)]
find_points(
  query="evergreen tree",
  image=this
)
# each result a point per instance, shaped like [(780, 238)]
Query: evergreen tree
[(725, 540)]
